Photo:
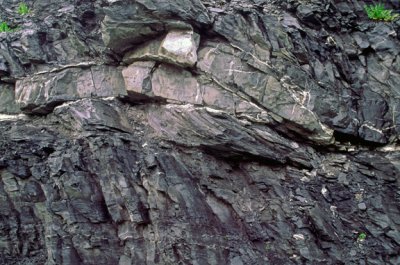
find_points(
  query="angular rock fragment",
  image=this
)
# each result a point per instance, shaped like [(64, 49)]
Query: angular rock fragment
[(28, 48), (137, 77), (178, 47), (127, 24), (7, 99)]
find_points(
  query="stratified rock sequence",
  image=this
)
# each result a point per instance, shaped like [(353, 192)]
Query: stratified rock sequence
[(221, 132)]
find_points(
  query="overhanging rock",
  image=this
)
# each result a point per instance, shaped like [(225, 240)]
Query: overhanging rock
[(178, 47)]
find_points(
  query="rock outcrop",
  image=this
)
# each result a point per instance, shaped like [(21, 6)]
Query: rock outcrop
[(199, 132)]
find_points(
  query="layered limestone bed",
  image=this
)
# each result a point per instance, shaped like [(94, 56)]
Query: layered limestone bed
[(199, 132)]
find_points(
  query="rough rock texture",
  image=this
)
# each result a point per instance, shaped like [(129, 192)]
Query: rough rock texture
[(178, 47), (40, 93), (199, 132)]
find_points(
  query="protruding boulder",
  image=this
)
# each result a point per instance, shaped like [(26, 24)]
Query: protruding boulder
[(178, 47), (127, 24)]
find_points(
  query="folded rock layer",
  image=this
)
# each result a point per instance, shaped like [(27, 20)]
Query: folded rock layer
[(244, 132)]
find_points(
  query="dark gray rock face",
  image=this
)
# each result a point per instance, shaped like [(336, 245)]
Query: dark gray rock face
[(199, 132)]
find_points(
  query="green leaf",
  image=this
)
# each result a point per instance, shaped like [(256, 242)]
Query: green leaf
[(379, 12), (4, 27), (23, 9)]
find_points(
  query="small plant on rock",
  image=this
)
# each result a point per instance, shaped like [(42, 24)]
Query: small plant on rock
[(4, 27), (379, 12), (23, 9), (361, 237)]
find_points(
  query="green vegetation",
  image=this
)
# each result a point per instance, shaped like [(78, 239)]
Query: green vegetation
[(4, 27), (361, 237), (23, 9), (379, 12)]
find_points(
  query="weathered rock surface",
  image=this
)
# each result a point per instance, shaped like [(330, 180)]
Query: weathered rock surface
[(177, 47), (8, 104), (41, 92), (199, 132)]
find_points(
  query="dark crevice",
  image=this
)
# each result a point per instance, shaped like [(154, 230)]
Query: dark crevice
[(355, 140)]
